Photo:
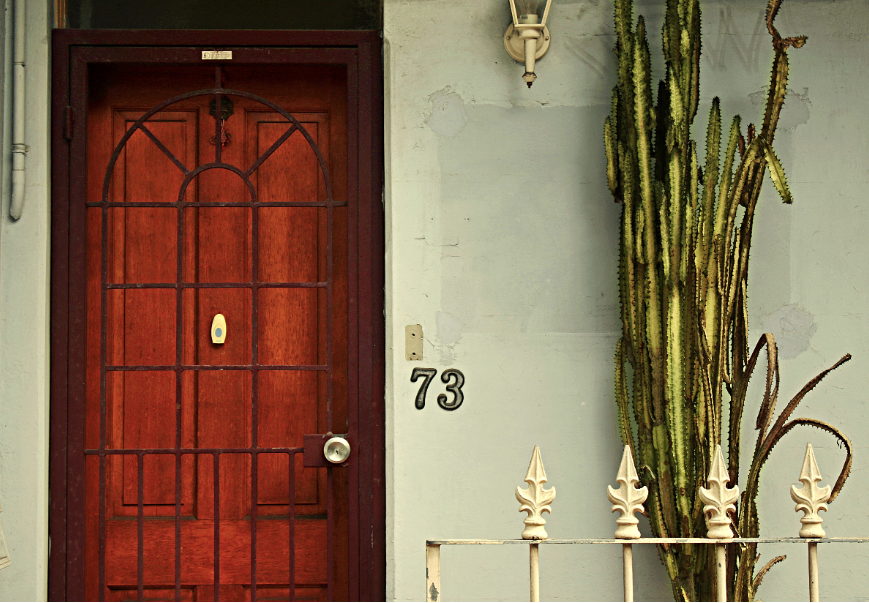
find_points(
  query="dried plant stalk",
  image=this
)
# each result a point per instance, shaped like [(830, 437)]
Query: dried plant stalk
[(683, 278)]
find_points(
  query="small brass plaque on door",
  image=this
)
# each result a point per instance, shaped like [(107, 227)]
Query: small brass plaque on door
[(216, 55)]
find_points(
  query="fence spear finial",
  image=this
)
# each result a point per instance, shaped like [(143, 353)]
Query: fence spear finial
[(535, 500), (810, 498), (718, 498), (627, 499), (719, 502)]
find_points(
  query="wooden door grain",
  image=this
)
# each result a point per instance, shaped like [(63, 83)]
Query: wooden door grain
[(182, 498)]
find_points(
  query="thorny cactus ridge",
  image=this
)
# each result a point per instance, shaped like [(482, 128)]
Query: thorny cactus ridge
[(683, 277)]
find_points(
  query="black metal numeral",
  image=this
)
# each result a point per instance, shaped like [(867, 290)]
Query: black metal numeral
[(429, 374), (454, 388)]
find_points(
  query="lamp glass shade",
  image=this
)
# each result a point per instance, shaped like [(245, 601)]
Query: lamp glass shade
[(528, 7), (529, 12)]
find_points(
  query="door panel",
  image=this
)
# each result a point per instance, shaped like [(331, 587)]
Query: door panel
[(197, 563), (222, 240), (199, 444), (276, 424), (145, 173)]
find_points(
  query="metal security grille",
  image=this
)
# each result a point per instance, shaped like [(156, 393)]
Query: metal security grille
[(218, 93)]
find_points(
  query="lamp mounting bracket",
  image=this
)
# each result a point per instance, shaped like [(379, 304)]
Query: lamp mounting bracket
[(515, 45)]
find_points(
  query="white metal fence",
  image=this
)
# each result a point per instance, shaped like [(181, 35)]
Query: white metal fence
[(627, 499)]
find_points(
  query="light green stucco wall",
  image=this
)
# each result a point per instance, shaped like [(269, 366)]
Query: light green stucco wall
[(502, 240), (24, 335)]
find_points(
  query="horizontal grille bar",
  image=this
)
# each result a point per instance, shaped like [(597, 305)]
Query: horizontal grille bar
[(240, 285), (218, 204), (144, 451), (222, 367)]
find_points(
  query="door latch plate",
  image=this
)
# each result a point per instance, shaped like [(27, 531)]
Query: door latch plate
[(313, 455)]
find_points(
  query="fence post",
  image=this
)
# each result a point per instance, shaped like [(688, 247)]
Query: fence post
[(719, 502), (432, 572), (535, 501), (627, 499), (810, 500), (628, 571), (814, 588), (534, 551)]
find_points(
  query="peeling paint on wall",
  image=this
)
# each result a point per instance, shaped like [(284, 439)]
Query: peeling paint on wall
[(449, 328), (798, 107), (793, 328), (449, 334), (448, 116)]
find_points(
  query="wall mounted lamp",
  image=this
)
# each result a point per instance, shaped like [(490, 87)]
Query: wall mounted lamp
[(527, 38)]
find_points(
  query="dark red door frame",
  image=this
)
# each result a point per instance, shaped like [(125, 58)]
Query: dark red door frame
[(73, 51)]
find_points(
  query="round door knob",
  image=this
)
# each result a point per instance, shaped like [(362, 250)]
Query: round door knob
[(337, 450)]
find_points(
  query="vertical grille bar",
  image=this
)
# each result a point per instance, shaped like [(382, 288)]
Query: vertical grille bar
[(330, 288), (253, 502), (104, 312), (254, 485), (330, 533), (216, 457), (102, 584), (178, 525), (218, 123), (292, 531), (218, 148), (140, 526), (179, 384)]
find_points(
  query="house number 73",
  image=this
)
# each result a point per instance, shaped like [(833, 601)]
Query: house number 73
[(453, 386)]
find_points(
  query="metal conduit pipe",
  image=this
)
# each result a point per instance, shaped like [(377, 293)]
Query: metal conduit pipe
[(19, 149), (6, 142)]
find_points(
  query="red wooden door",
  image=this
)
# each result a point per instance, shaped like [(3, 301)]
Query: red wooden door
[(230, 199)]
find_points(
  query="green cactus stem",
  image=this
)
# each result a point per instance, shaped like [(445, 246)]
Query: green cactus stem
[(685, 237)]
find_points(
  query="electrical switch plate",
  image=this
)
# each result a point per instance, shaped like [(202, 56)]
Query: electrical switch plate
[(218, 329), (413, 342)]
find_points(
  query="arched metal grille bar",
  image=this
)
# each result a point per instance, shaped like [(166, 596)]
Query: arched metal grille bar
[(218, 94), (179, 451), (216, 166)]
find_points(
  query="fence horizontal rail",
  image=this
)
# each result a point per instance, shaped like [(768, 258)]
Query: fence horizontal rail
[(788, 540)]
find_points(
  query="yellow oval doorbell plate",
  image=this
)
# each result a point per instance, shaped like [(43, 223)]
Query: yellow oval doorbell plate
[(218, 329)]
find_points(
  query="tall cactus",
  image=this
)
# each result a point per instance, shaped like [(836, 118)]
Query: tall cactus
[(683, 275)]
